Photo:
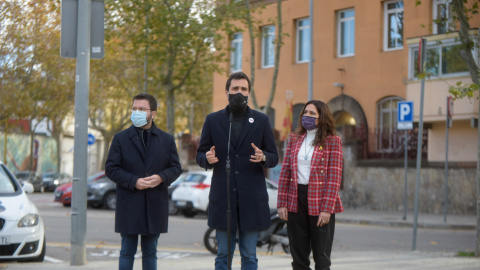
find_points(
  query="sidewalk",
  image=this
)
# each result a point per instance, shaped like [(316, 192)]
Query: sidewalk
[(343, 261), (363, 260)]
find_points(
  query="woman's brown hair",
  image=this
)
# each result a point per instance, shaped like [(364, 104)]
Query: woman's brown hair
[(326, 124)]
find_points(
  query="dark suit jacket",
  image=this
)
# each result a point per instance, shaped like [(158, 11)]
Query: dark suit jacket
[(142, 211), (249, 198)]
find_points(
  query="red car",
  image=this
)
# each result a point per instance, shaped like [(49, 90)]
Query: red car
[(63, 193)]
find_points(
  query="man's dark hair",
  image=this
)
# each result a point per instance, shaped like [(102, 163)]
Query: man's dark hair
[(151, 100), (238, 76)]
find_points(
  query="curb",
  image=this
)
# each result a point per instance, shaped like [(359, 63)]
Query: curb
[(405, 224)]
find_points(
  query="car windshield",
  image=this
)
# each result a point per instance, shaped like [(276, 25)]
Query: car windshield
[(22, 174), (194, 178), (50, 175), (7, 184)]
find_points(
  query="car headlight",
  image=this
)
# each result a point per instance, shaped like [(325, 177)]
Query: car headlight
[(98, 185), (56, 182), (29, 220)]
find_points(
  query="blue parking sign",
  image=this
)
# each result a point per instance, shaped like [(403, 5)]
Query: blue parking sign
[(405, 115)]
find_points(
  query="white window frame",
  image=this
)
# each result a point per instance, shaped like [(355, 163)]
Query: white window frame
[(237, 38), (448, 25), (392, 112), (304, 29), (413, 49), (264, 40), (340, 41), (386, 30)]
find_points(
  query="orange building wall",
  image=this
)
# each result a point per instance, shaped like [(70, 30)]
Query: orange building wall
[(370, 75)]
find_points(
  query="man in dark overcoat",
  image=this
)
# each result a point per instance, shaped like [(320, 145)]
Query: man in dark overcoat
[(252, 149), (143, 162)]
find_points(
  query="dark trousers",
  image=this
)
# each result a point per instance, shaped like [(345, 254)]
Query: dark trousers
[(305, 236)]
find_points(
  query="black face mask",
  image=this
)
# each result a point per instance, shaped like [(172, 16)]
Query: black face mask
[(237, 101)]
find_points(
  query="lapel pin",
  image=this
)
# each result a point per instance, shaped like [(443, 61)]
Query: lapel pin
[(250, 120)]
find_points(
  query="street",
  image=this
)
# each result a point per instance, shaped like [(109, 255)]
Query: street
[(185, 237)]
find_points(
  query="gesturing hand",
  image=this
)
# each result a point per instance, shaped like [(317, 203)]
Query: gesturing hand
[(258, 157), (211, 158)]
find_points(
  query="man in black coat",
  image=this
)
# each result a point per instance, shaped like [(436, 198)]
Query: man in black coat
[(252, 148), (143, 161)]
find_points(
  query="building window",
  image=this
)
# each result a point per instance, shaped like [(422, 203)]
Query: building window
[(393, 25), (386, 124), (346, 33), (268, 46), (303, 40), (442, 17), (296, 111), (236, 54), (441, 59)]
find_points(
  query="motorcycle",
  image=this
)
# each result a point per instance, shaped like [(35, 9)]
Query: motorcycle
[(273, 235)]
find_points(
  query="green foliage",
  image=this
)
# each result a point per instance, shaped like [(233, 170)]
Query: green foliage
[(461, 90), (466, 254)]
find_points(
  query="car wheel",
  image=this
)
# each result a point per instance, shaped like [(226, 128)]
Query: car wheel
[(66, 204), (172, 209), (110, 200), (41, 257), (96, 205), (189, 213), (210, 241)]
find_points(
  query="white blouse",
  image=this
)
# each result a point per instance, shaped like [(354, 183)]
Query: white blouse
[(305, 157)]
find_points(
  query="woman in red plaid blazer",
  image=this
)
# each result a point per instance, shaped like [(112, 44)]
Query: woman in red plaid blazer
[(308, 187)]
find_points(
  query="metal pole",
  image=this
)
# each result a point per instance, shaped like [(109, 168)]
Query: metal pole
[(79, 202), (446, 165), (145, 77), (406, 170), (5, 147), (419, 147), (310, 62)]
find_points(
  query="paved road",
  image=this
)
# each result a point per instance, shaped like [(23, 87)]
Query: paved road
[(185, 237)]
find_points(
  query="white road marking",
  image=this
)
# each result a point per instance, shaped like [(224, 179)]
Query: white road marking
[(52, 260)]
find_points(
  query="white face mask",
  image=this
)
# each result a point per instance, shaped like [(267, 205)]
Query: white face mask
[(139, 118)]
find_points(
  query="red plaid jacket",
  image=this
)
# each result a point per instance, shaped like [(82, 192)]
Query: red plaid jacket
[(325, 177)]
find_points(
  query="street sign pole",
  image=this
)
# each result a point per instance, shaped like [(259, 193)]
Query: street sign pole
[(310, 61), (448, 124), (421, 49), (405, 122), (79, 200), (406, 177)]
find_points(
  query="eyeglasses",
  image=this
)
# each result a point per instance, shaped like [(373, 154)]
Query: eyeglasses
[(142, 109)]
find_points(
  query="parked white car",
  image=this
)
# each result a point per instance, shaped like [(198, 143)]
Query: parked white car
[(191, 195), (22, 233)]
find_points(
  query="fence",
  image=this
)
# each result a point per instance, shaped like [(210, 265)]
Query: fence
[(380, 143)]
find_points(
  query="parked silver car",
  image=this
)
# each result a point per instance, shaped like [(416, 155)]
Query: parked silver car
[(102, 193)]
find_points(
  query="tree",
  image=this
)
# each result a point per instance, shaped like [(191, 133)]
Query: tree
[(278, 44), (32, 71), (463, 13), (182, 37)]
